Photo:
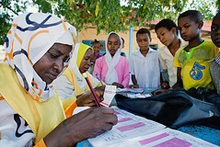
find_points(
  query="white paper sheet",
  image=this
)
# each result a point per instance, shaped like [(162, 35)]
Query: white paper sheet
[(135, 131), (109, 93), (129, 126)]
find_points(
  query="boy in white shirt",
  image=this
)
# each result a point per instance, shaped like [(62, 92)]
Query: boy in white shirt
[(167, 33), (144, 64)]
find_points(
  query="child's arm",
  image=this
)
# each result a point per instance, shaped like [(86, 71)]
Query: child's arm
[(179, 82), (126, 75), (97, 69), (163, 84), (135, 85)]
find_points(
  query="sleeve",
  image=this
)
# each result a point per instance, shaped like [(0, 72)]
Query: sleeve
[(176, 62), (126, 77), (162, 61), (14, 129), (40, 144), (64, 87), (131, 65), (216, 49), (97, 67), (70, 109)]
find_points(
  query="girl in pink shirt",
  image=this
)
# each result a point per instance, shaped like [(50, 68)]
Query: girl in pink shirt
[(113, 68)]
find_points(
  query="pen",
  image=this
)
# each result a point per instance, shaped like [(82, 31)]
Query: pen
[(92, 90), (99, 79)]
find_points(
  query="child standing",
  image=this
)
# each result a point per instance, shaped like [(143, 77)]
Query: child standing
[(167, 33), (193, 61), (144, 64), (96, 45), (215, 64), (113, 68)]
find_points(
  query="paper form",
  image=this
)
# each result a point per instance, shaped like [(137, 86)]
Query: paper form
[(110, 91), (164, 138), (129, 126), (135, 131)]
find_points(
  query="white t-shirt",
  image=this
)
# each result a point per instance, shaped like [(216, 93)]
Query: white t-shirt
[(145, 69), (166, 60)]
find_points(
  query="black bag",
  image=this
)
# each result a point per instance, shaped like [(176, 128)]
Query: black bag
[(173, 109)]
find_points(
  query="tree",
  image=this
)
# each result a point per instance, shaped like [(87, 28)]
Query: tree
[(108, 15)]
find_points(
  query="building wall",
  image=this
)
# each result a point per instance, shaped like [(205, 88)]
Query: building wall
[(90, 34)]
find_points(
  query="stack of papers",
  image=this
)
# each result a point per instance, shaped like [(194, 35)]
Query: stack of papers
[(133, 90), (135, 131)]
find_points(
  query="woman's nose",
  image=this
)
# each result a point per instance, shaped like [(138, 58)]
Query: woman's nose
[(59, 65)]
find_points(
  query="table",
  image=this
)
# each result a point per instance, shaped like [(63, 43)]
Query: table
[(203, 132)]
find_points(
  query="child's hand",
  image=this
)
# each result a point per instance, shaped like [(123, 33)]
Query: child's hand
[(165, 85), (133, 86), (159, 91), (118, 85)]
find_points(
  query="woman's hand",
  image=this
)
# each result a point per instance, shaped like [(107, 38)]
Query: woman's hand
[(87, 99), (86, 124)]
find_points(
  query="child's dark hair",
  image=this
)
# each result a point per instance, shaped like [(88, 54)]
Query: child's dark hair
[(166, 23), (217, 14), (143, 31), (193, 14)]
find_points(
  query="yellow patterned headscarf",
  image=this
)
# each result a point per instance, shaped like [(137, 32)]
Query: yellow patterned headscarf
[(30, 37)]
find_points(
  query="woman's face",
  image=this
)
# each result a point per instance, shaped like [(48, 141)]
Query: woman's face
[(86, 61), (51, 63), (113, 44)]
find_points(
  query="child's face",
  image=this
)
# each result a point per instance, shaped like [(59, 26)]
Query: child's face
[(165, 36), (215, 31), (143, 41), (96, 47), (113, 44), (189, 29)]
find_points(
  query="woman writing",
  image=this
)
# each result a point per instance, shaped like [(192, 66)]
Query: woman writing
[(72, 84), (38, 47)]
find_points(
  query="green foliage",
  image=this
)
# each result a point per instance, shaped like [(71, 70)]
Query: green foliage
[(108, 15), (9, 9)]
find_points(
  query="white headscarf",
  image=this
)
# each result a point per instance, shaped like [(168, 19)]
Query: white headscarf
[(111, 75), (30, 37), (75, 62)]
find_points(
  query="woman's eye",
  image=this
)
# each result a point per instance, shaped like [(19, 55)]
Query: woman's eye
[(53, 55)]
